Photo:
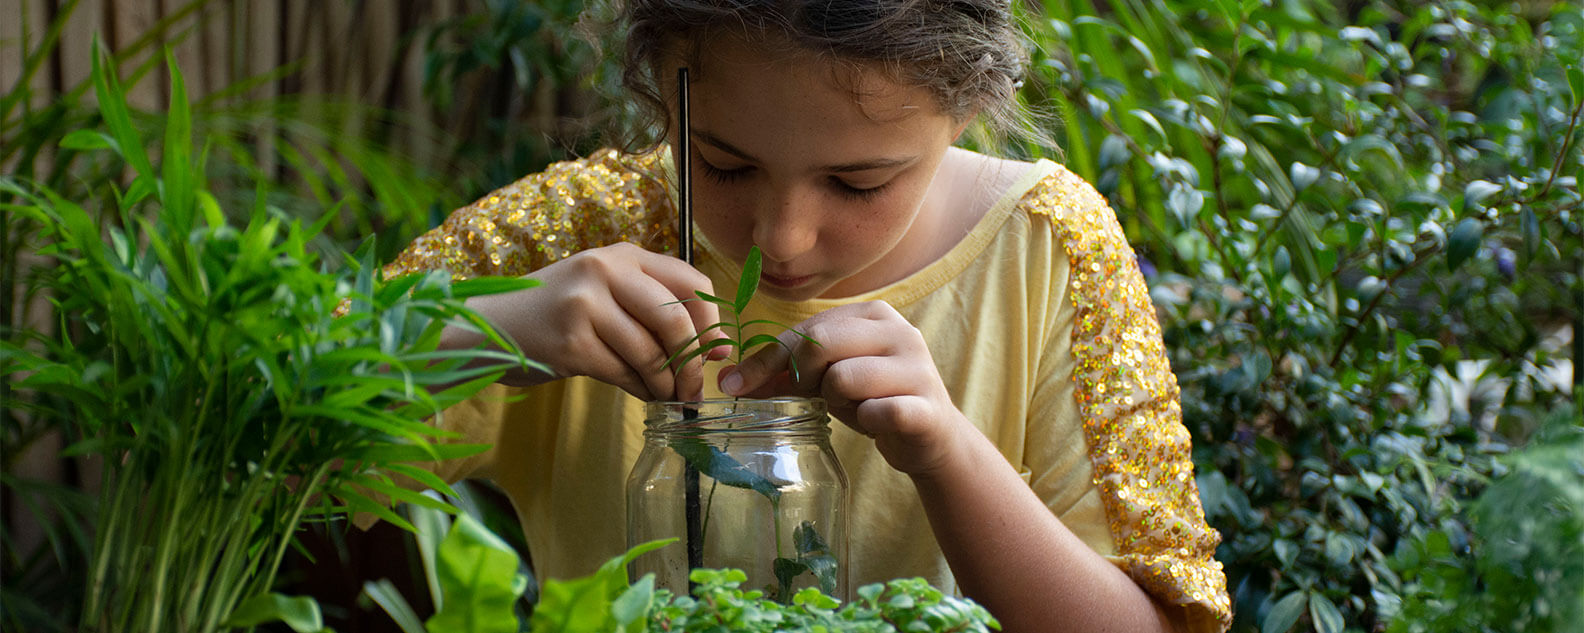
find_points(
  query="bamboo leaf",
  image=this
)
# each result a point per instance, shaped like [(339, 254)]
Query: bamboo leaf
[(385, 594), (113, 107), (357, 503), (380, 454), (87, 140), (423, 476), (176, 167)]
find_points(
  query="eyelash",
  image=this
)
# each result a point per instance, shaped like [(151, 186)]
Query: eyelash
[(728, 176)]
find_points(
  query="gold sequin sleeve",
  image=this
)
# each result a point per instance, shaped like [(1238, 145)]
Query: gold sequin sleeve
[(1127, 399), (571, 206)]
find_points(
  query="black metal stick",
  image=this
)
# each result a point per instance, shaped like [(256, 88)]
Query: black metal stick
[(690, 475)]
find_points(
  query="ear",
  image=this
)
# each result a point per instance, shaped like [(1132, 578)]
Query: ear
[(962, 126)]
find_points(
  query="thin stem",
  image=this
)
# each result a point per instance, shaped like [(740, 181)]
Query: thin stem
[(1347, 337), (1567, 145)]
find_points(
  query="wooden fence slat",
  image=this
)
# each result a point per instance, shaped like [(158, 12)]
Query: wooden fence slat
[(76, 48)]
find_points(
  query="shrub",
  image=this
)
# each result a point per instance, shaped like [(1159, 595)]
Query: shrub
[(1337, 206)]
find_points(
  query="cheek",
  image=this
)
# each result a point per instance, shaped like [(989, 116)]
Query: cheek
[(723, 217)]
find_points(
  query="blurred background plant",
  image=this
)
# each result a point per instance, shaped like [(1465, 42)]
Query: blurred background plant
[(1350, 215), (1360, 222)]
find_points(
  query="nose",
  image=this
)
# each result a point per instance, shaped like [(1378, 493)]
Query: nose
[(786, 225)]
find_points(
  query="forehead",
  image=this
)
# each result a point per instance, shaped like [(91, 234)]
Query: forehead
[(734, 62)]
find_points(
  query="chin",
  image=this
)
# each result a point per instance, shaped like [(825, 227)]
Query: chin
[(800, 293)]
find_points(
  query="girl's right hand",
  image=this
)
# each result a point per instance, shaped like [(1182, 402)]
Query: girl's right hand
[(611, 314)]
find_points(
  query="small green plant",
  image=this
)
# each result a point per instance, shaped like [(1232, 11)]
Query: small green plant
[(733, 309), (605, 601)]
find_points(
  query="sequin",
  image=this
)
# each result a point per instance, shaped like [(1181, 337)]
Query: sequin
[(573, 206), (1120, 360)]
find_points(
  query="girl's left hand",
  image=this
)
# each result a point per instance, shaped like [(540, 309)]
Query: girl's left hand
[(875, 373)]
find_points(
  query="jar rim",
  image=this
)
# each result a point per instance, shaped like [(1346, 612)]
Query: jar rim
[(738, 415)]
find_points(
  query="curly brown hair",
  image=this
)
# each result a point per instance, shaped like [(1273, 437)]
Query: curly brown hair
[(969, 54)]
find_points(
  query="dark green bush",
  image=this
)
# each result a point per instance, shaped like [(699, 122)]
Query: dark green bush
[(1340, 208)]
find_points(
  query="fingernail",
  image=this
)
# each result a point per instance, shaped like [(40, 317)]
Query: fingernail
[(731, 382)]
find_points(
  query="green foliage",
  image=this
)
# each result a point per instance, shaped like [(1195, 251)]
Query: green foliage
[(1521, 565), (1348, 207), (472, 563), (204, 366), (605, 601), (513, 80)]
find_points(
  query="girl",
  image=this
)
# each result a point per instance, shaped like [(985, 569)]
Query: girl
[(1011, 426)]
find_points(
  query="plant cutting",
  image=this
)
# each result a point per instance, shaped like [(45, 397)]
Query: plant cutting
[(775, 451), (738, 341), (203, 366)]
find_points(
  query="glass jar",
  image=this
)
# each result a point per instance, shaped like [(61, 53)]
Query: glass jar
[(746, 484)]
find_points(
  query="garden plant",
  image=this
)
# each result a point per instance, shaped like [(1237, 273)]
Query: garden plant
[(203, 368)]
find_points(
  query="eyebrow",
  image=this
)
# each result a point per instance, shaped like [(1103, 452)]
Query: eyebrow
[(862, 165)]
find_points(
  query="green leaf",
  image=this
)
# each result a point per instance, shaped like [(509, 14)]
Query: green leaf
[(589, 604), (1150, 120), (713, 299), (1575, 79), (723, 467), (1286, 552), (479, 580), (384, 594), (1475, 193), (1464, 241), (1184, 204), (1303, 176), (87, 140), (176, 167), (748, 284), (633, 605), (1529, 226), (480, 286), (113, 107), (300, 613), (1326, 617), (1285, 613)]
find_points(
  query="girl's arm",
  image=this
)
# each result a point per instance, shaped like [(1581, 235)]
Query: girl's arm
[(608, 305), (1005, 547)]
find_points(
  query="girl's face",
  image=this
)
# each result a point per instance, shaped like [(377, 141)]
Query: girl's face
[(825, 168)]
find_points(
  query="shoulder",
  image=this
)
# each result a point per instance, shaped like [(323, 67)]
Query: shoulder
[(600, 174), (1074, 210)]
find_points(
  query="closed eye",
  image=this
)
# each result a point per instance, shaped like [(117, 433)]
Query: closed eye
[(863, 194), (724, 176)]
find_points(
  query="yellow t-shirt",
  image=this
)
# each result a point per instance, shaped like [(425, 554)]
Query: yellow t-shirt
[(1038, 320)]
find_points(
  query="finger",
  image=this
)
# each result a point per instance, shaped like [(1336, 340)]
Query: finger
[(840, 340), (776, 386), (753, 372), (683, 282), (604, 364), (638, 350), (680, 283)]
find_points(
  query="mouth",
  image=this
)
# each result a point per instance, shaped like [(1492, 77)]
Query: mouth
[(784, 282)]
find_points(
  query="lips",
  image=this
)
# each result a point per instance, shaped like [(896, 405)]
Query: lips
[(784, 282)]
